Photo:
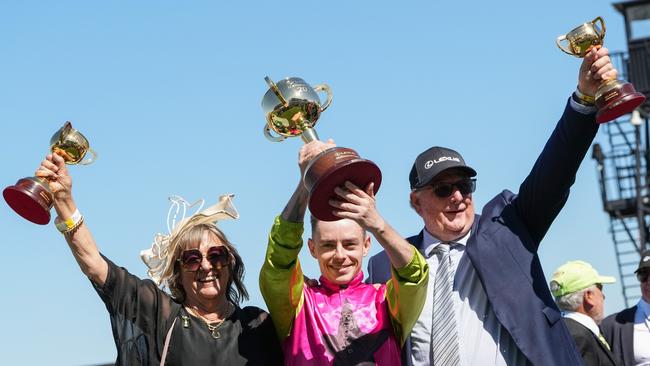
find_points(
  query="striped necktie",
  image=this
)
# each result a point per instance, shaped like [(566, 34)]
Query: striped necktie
[(444, 342), (602, 340)]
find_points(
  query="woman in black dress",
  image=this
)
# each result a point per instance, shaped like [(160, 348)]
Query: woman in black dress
[(200, 323)]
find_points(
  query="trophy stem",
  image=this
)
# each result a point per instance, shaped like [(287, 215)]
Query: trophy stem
[(308, 135)]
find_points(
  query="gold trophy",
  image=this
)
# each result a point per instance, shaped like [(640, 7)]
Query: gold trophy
[(31, 197), (292, 108), (614, 98)]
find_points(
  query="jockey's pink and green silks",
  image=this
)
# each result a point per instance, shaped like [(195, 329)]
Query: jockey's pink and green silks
[(330, 324)]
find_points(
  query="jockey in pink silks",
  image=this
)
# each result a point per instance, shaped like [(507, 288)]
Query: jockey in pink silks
[(341, 320)]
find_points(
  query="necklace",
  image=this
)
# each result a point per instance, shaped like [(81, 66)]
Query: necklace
[(213, 327)]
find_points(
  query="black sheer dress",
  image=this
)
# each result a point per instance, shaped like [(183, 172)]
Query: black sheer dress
[(141, 315)]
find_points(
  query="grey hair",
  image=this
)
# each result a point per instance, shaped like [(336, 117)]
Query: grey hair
[(417, 194), (572, 301)]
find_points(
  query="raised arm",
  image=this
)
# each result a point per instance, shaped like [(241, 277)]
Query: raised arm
[(80, 240), (546, 188), (360, 206), (281, 278)]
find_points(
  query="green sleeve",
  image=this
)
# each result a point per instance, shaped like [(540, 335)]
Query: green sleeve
[(406, 292), (281, 278)]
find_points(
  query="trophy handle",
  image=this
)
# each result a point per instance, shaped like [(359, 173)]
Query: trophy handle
[(326, 88), (275, 90), (267, 134), (600, 20), (559, 45), (89, 160)]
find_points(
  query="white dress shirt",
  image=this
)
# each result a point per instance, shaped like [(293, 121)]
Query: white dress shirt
[(482, 339), (583, 319), (641, 334)]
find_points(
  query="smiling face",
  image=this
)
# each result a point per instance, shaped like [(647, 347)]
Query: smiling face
[(339, 246), (447, 218), (208, 284)]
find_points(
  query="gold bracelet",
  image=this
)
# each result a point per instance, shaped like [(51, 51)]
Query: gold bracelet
[(67, 224), (68, 233), (584, 98)]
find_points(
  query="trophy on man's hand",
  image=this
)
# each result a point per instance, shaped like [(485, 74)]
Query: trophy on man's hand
[(292, 108), (614, 98), (31, 197)]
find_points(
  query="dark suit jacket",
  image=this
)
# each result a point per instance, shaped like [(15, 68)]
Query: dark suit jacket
[(504, 240), (592, 350), (618, 330)]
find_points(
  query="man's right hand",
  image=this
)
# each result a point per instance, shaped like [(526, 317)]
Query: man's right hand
[(309, 151), (595, 68), (295, 209)]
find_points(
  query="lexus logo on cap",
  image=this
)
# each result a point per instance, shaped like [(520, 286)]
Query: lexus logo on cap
[(428, 164), (646, 258)]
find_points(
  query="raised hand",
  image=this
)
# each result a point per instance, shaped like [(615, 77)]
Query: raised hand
[(596, 67), (310, 150), (55, 172), (358, 205)]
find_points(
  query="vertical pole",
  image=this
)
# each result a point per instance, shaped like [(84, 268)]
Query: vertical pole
[(640, 212), (646, 157)]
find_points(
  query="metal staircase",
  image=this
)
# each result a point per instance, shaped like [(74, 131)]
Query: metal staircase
[(622, 168)]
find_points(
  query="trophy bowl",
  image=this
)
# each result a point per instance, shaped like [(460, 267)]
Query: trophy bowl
[(292, 108), (31, 197), (614, 98)]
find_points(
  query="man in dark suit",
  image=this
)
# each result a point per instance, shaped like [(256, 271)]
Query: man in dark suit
[(577, 288), (628, 332), (503, 312)]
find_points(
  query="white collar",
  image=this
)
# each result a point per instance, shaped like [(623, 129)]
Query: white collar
[(583, 319), (430, 242)]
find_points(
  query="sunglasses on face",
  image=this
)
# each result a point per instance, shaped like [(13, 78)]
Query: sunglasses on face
[(643, 276), (444, 189), (191, 259)]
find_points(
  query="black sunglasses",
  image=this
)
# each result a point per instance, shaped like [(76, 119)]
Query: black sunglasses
[(643, 276), (191, 259), (444, 190)]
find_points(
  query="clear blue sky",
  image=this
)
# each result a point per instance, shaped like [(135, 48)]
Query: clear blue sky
[(169, 95)]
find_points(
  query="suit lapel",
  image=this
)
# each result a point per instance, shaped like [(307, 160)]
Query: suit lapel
[(417, 241), (604, 349), (584, 331), (627, 334)]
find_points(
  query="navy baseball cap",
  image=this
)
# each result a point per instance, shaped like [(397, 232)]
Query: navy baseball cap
[(434, 161), (644, 263)]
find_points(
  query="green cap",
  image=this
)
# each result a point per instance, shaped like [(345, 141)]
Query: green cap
[(574, 276)]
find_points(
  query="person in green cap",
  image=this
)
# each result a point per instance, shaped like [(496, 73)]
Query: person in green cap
[(628, 331), (578, 291)]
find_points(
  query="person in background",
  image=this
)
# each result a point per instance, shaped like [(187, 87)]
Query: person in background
[(628, 331), (578, 291)]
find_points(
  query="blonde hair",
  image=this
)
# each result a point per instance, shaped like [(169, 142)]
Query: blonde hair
[(235, 289)]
